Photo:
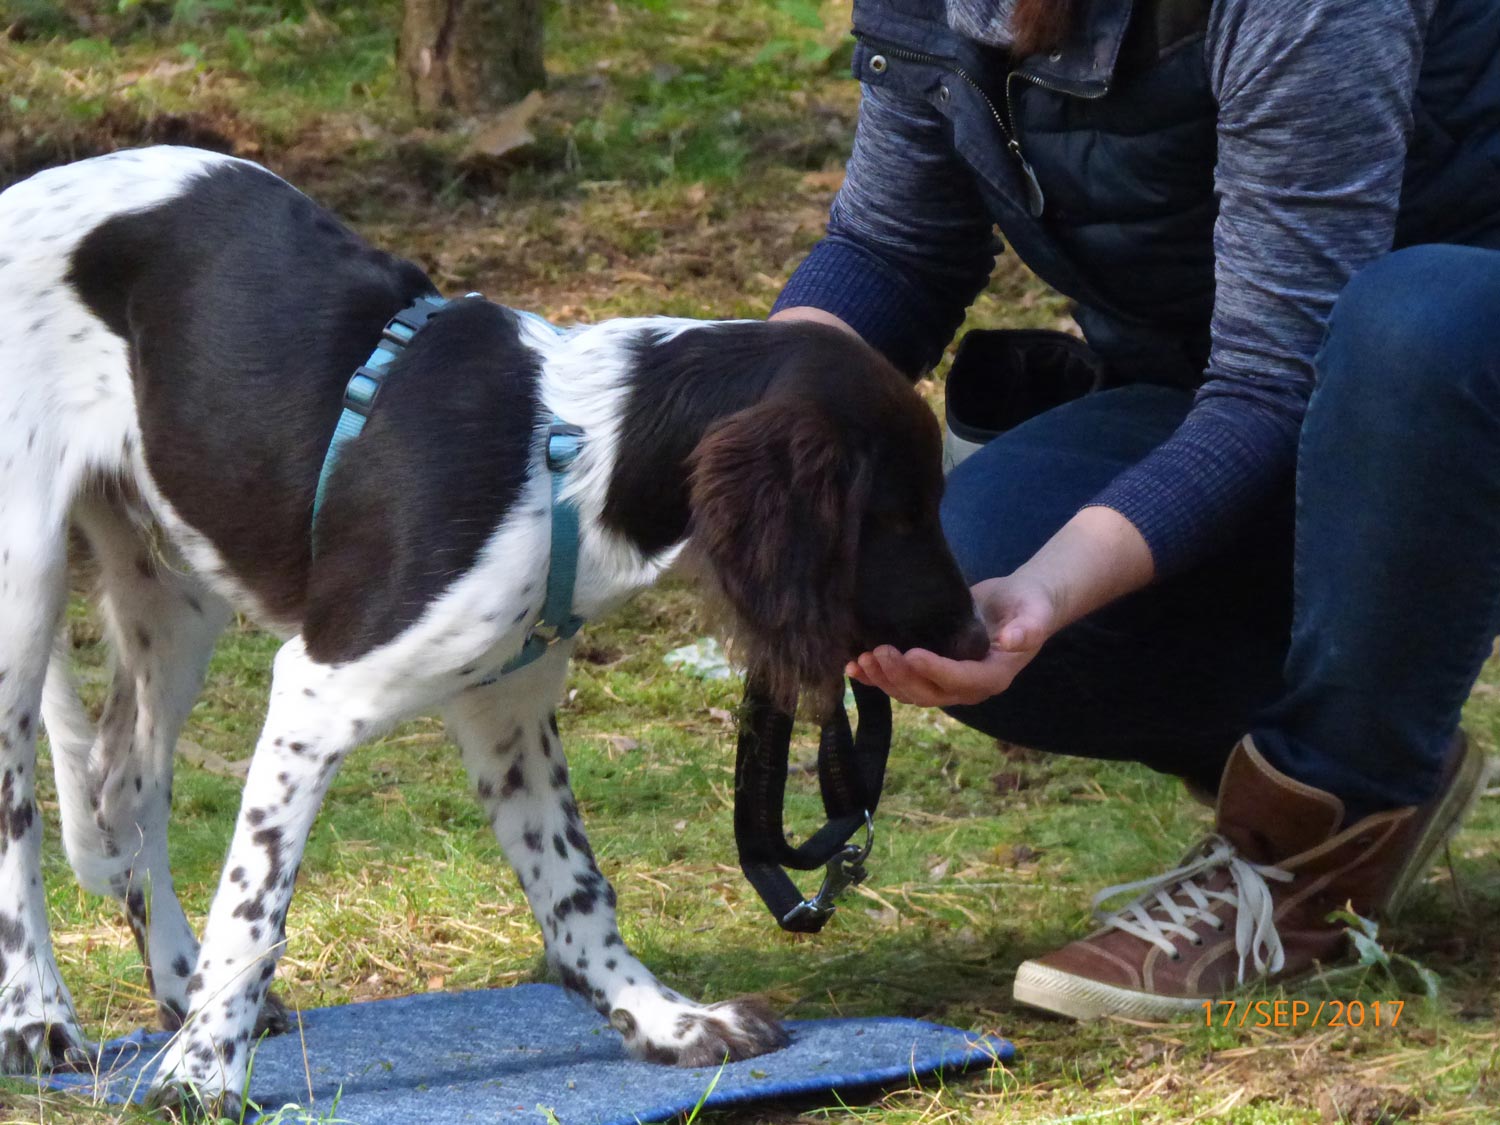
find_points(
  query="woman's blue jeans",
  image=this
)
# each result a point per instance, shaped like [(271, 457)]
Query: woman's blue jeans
[(1346, 626)]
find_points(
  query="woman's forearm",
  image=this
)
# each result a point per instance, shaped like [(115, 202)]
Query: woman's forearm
[(1096, 557)]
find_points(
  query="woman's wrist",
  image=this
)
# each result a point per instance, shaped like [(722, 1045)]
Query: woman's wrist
[(815, 315), (1096, 557)]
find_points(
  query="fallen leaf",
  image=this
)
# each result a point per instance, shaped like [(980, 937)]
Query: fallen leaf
[(210, 762), (507, 130), (636, 277)]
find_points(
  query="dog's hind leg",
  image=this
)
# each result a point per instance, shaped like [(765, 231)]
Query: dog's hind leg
[(38, 1027), (116, 787), (515, 760)]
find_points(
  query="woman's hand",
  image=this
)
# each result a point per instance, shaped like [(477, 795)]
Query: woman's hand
[(1020, 613), (1096, 557)]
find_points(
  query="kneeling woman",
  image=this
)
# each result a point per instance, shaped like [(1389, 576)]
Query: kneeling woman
[(1263, 553)]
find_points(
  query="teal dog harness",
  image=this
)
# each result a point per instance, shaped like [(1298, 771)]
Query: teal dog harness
[(557, 621)]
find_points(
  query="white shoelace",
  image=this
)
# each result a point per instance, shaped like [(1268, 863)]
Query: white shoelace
[(1255, 935)]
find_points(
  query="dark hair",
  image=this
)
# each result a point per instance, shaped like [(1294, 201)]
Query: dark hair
[(1040, 25)]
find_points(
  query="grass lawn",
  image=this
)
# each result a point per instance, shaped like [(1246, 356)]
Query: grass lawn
[(685, 156)]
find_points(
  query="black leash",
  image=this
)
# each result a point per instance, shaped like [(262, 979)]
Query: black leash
[(851, 771)]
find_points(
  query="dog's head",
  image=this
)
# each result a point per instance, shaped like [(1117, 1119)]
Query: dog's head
[(817, 511)]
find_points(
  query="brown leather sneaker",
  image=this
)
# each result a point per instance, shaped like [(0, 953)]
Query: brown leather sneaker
[(1250, 903)]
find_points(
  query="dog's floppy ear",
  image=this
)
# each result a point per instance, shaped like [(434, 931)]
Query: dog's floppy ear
[(777, 496)]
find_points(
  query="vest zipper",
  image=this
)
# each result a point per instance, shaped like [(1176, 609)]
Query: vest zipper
[(1035, 200), (1015, 132)]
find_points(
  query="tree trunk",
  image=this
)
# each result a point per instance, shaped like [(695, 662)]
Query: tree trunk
[(471, 55)]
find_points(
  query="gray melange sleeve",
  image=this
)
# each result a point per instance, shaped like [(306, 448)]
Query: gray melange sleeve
[(1314, 113), (909, 241)]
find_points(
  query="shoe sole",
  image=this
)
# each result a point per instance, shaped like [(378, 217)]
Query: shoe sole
[(1463, 794), (1064, 994)]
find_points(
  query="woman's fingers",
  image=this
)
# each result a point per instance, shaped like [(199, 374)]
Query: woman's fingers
[(927, 680), (891, 673), (1020, 618), (964, 681)]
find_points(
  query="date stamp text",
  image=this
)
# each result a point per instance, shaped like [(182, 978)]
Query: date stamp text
[(1293, 1014)]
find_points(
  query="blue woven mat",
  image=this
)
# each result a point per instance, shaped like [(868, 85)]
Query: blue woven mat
[(516, 1055)]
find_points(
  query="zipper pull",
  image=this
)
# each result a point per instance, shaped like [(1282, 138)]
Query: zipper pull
[(1035, 200)]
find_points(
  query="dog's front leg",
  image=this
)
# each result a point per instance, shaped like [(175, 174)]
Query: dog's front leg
[(317, 714), (515, 760)]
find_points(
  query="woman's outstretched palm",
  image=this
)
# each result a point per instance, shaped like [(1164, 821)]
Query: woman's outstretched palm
[(1020, 612)]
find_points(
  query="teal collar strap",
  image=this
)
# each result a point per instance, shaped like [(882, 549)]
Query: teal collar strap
[(557, 621)]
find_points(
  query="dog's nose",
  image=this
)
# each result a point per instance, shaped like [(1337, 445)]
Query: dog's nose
[(972, 642)]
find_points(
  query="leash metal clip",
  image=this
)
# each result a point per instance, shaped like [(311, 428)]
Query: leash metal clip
[(846, 869)]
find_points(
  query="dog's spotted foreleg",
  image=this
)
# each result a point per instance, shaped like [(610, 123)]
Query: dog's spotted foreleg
[(515, 760), (317, 714), (38, 1028)]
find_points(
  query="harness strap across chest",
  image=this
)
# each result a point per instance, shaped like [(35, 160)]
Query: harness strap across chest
[(556, 621)]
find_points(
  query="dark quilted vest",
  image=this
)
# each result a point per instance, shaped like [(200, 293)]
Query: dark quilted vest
[(1111, 199)]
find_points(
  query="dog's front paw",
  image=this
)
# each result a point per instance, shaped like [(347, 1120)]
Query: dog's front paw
[(198, 1081), (698, 1036), (191, 1105), (48, 1042)]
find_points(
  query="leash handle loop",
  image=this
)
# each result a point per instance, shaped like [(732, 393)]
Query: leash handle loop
[(851, 771)]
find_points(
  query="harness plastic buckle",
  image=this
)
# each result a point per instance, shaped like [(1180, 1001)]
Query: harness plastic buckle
[(846, 869), (364, 385), (403, 326), (564, 442)]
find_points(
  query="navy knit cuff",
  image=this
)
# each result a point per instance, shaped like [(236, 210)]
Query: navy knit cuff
[(840, 278), (1190, 495)]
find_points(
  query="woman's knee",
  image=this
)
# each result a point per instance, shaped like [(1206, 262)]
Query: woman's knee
[(1012, 495), (996, 512), (1413, 324)]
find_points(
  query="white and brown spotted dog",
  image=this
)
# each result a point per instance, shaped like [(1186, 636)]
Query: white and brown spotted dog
[(176, 331)]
